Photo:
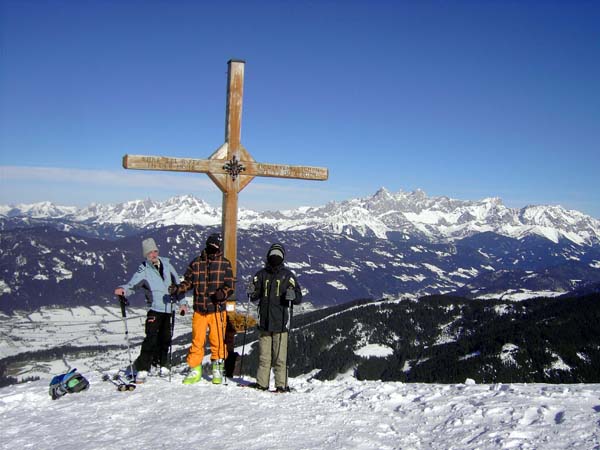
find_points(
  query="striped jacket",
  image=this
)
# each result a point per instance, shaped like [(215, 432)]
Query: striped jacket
[(205, 275)]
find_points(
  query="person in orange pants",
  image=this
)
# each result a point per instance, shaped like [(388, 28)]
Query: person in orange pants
[(201, 322), (211, 278)]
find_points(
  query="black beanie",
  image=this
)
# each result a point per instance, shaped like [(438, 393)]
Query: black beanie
[(275, 252), (213, 242)]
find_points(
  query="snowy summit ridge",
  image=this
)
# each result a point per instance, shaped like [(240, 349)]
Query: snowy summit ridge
[(406, 215)]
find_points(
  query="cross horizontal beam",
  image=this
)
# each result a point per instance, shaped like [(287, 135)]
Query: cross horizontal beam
[(217, 166)]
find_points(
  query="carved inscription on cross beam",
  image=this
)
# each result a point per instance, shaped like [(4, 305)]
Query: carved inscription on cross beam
[(281, 171), (230, 167)]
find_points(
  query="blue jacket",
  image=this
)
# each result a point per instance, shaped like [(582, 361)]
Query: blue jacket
[(156, 288)]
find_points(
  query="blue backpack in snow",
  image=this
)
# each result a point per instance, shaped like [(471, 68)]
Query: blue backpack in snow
[(67, 383)]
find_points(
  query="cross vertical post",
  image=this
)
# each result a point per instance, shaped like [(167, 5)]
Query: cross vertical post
[(233, 135)]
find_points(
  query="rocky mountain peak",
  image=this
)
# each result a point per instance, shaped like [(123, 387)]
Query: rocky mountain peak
[(414, 215)]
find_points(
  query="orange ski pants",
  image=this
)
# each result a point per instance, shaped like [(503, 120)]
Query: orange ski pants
[(215, 323)]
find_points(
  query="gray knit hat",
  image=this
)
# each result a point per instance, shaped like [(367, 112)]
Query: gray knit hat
[(148, 245)]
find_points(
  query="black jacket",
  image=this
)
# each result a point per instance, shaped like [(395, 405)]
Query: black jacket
[(270, 286)]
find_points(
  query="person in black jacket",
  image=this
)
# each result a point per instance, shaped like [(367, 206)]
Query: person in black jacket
[(277, 289)]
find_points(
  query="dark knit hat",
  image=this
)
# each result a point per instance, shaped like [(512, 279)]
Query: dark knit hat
[(214, 240), (276, 249)]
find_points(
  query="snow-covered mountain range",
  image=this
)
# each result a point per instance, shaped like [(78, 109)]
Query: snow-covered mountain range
[(384, 246), (404, 216)]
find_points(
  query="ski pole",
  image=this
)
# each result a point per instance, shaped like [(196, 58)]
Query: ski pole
[(221, 339), (245, 333), (124, 302), (171, 340), (223, 331), (287, 353)]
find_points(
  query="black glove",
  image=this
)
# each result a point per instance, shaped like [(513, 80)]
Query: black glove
[(250, 289), (183, 309), (219, 295), (173, 289), (290, 294)]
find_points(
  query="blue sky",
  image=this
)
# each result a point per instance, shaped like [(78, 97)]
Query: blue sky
[(467, 99)]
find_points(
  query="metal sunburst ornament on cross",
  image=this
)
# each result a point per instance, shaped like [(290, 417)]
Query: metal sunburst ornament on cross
[(234, 168)]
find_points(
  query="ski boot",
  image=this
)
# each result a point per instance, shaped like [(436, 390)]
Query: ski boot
[(218, 367), (193, 376)]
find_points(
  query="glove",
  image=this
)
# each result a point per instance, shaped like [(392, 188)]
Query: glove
[(173, 289), (250, 289), (183, 309), (290, 294), (219, 295)]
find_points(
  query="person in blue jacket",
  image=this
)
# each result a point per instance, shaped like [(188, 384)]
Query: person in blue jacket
[(154, 276)]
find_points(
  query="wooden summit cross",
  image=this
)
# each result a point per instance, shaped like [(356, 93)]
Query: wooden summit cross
[(230, 167)]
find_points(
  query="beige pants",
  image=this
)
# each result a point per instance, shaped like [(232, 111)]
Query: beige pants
[(272, 352)]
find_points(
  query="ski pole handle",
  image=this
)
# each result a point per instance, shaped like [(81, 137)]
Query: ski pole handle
[(182, 309), (124, 302)]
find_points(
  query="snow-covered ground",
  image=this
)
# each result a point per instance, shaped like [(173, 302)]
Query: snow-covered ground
[(340, 414)]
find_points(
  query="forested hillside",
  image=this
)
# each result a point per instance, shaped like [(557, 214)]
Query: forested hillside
[(448, 339)]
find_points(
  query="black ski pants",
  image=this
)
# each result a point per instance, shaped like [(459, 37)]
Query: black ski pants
[(155, 348)]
